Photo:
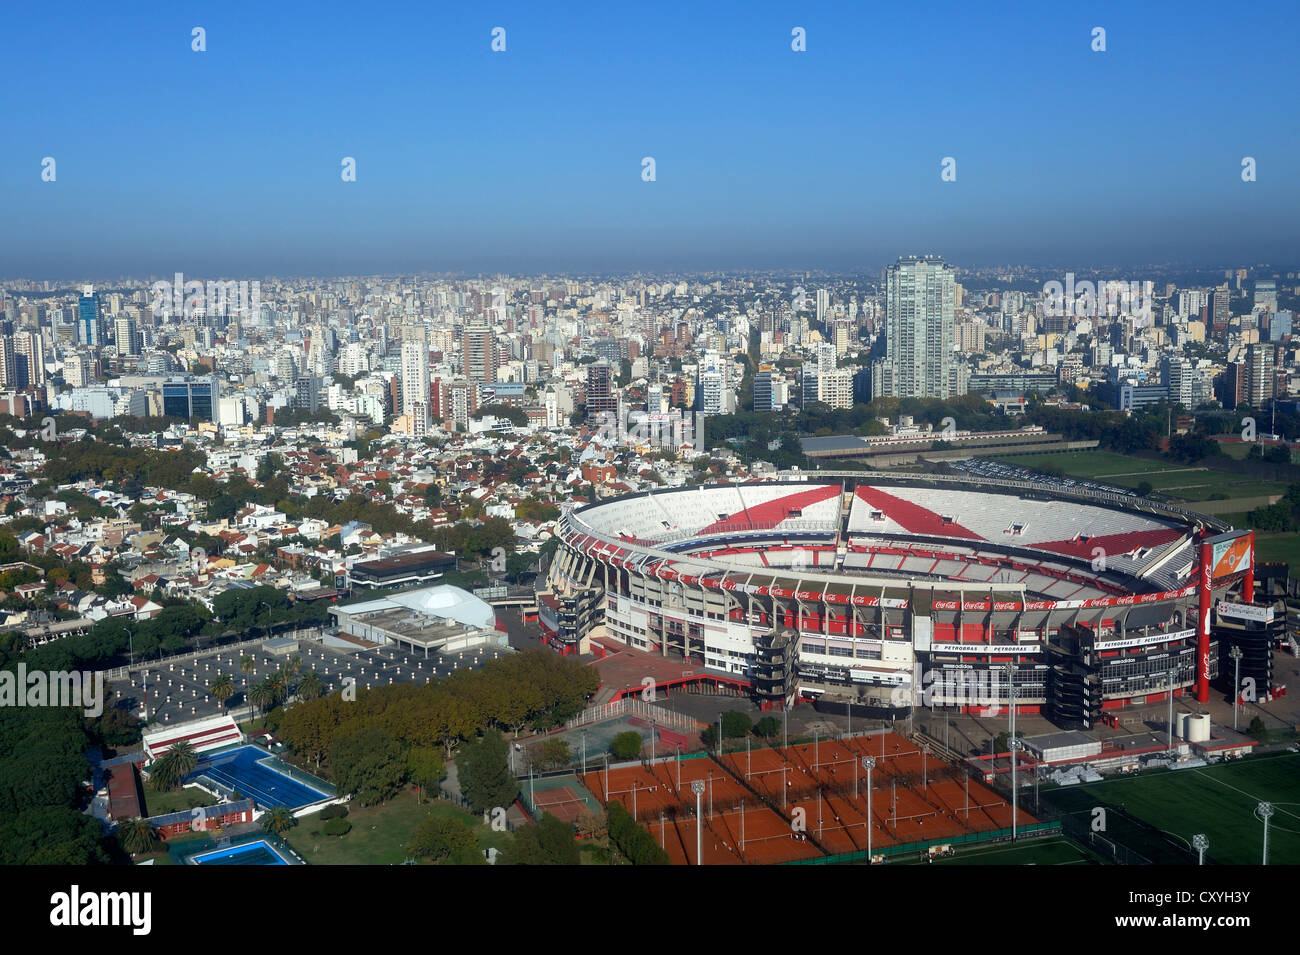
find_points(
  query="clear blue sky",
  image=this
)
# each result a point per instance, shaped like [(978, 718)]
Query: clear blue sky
[(227, 162)]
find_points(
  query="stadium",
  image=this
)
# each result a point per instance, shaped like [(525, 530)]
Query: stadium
[(891, 591)]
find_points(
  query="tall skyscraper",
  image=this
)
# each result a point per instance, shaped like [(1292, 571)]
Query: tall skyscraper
[(600, 391), (479, 351), (90, 328), (125, 335), (415, 386), (29, 350), (920, 297)]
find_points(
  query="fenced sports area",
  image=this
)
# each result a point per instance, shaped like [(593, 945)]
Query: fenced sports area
[(564, 797), (253, 773), (1156, 814), (785, 804)]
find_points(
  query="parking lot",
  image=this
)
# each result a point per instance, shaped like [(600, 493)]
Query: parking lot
[(178, 691)]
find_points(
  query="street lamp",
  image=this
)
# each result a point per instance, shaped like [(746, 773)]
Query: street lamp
[(869, 763), (1236, 655), (584, 752), (1200, 843), (1265, 811), (697, 787)]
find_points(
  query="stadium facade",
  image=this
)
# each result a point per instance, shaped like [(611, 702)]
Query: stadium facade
[(893, 591)]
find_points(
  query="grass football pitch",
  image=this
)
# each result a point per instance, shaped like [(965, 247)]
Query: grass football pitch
[(1218, 801)]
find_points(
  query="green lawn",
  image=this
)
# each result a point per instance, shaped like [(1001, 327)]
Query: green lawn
[(1284, 547), (1182, 481), (1056, 850), (379, 833), (1216, 800)]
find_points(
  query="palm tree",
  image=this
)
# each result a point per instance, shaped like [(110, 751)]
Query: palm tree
[(185, 757), (261, 695), (279, 821), (310, 686), (162, 773), (222, 688), (279, 688), (137, 835), (247, 665)]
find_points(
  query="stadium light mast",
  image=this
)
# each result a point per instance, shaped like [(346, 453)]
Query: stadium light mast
[(697, 787), (584, 752), (1200, 843), (1015, 746), (868, 763), (1235, 653), (1172, 672), (1265, 811)]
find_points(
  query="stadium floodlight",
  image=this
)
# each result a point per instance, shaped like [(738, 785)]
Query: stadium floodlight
[(1016, 745), (1236, 655), (697, 787), (1200, 843), (1265, 811), (868, 763)]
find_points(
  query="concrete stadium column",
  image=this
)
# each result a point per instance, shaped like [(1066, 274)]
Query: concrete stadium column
[(1203, 627), (1248, 582)]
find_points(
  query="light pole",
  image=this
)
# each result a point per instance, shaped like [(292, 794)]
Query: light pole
[(652, 742), (1200, 843), (925, 763), (1265, 811), (869, 763), (1015, 746), (1172, 672), (697, 787), (1235, 653), (584, 752)]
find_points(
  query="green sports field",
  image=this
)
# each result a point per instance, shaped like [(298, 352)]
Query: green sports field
[(1218, 801), (1056, 850), (1181, 481)]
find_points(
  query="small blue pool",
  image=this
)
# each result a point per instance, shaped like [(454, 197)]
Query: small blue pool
[(249, 772), (250, 853)]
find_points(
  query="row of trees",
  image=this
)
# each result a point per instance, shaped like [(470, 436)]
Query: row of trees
[(536, 688)]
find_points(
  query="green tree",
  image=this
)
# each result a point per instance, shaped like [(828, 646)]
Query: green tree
[(369, 763), (632, 839), (137, 835), (279, 820), (424, 767), (484, 773), (553, 754), (768, 727), (442, 837), (310, 686), (549, 842), (626, 745), (262, 695), (222, 688)]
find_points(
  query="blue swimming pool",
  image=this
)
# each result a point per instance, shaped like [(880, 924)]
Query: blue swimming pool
[(248, 771), (250, 853)]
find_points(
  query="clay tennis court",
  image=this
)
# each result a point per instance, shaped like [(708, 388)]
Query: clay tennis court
[(562, 803), (804, 801)]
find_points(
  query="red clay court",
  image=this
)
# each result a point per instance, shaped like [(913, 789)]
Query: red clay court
[(804, 801)]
